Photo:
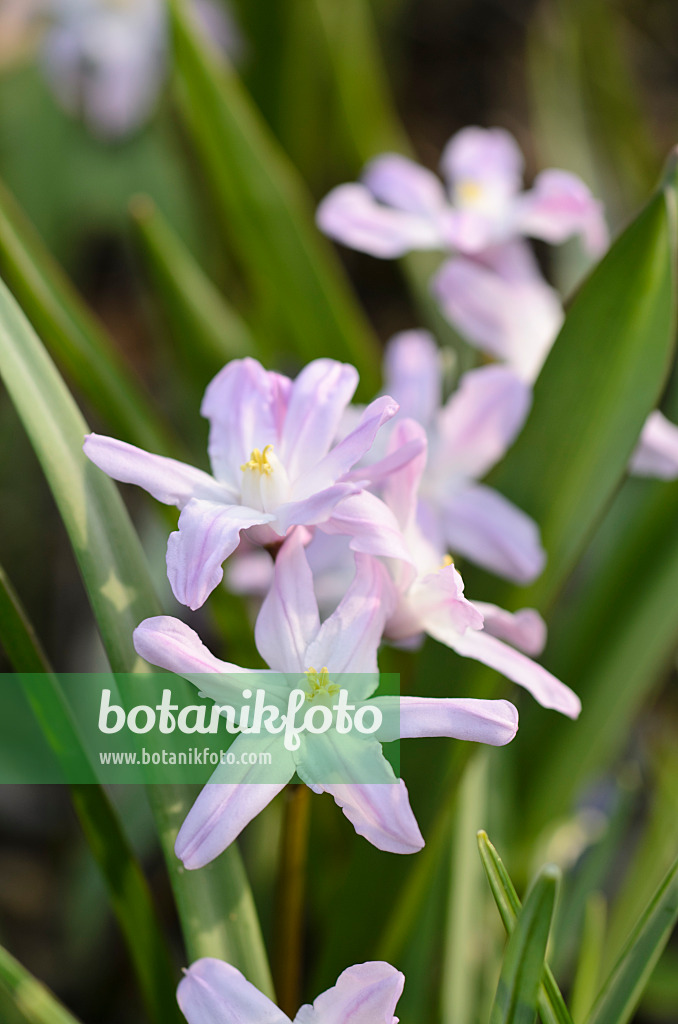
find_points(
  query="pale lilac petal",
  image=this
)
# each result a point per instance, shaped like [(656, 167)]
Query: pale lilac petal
[(462, 718), (413, 374), (488, 156), (656, 454), (405, 185), (482, 419), (317, 402), (439, 597), (516, 321), (483, 526), (208, 533), (314, 509), (246, 407), (235, 794), (364, 994), (288, 620), (524, 629), (543, 686), (169, 481), (170, 644), (370, 524), (352, 216), (214, 992), (401, 487), (249, 572), (379, 471), (348, 640), (350, 450), (560, 205)]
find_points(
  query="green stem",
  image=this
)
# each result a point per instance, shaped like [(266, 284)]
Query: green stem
[(290, 903)]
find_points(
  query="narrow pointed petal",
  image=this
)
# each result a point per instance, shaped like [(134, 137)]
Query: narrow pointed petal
[(401, 487), (656, 454), (246, 407), (543, 686), (235, 794), (482, 419), (483, 526), (370, 524), (316, 508), (560, 205), (169, 481), (214, 992), (439, 596), (516, 321), (351, 215), (364, 994), (405, 185), (348, 640), (208, 533), (486, 156), (413, 374), (463, 718), (318, 398), (524, 629), (350, 449), (288, 620), (170, 644)]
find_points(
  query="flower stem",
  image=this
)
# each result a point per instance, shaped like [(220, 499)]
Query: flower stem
[(290, 899)]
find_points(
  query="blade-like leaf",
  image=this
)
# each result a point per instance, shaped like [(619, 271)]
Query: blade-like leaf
[(215, 906), (129, 894), (551, 1004), (24, 999), (268, 216), (76, 340), (517, 993), (622, 990)]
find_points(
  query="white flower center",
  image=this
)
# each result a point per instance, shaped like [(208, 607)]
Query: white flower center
[(265, 483)]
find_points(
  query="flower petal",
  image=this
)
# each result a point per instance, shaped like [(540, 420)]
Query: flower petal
[(351, 215), (482, 419), (463, 718), (170, 644), (543, 686), (315, 508), (364, 994), (489, 157), (350, 449), (516, 321), (486, 528), (405, 185), (235, 794), (656, 454), (316, 405), (370, 524), (413, 374), (288, 620), (401, 487), (214, 992), (560, 205), (208, 533), (246, 407), (524, 629), (439, 597), (169, 481)]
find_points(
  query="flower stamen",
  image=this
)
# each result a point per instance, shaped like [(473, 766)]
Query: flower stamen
[(320, 684), (258, 461)]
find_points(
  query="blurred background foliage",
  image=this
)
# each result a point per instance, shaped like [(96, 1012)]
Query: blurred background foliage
[(173, 270)]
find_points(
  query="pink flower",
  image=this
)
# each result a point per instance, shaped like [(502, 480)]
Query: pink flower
[(274, 466), (292, 640), (213, 992), (401, 206)]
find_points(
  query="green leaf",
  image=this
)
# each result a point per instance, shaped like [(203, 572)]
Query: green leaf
[(551, 1004), (603, 376), (587, 977), (215, 905), (129, 894), (524, 960), (206, 330), (295, 278), (71, 332), (24, 999), (622, 990)]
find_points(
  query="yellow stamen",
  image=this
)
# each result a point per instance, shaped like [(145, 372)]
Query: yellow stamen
[(320, 684), (469, 192), (447, 560), (259, 461)]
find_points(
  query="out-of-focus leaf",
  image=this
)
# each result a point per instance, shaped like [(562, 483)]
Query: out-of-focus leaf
[(127, 888), (587, 978), (551, 1004), (75, 339), (296, 281), (24, 999), (215, 905), (524, 960), (622, 990), (207, 331)]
